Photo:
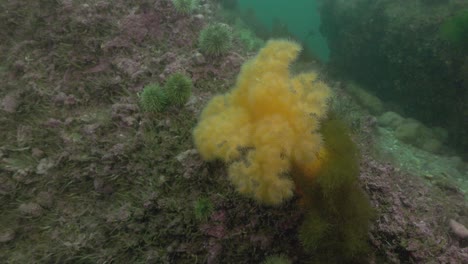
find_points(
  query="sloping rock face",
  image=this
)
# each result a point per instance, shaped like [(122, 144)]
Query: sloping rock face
[(398, 51)]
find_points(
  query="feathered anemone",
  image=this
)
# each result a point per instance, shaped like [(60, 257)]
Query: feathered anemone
[(266, 123)]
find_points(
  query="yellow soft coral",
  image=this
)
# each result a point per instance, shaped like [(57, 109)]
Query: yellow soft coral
[(266, 123)]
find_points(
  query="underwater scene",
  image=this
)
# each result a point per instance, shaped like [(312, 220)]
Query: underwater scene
[(234, 131)]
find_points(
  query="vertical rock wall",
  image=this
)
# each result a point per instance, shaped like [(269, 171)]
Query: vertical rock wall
[(396, 50)]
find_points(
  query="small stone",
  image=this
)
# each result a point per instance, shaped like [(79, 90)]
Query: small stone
[(366, 99), (390, 119), (68, 121), (24, 135), (198, 58), (409, 132), (45, 199), (182, 156), (428, 176), (130, 67), (44, 165), (90, 129), (70, 100), (37, 153), (31, 209), (59, 98), (199, 16), (458, 229), (128, 121), (7, 186), (53, 123), (7, 235), (10, 103), (101, 187), (98, 184)]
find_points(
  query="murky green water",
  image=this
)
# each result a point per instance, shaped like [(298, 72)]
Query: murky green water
[(302, 19)]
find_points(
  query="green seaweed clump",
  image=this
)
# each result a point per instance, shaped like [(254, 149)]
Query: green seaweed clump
[(215, 39), (338, 212), (178, 89), (277, 259), (202, 208), (153, 98), (455, 29)]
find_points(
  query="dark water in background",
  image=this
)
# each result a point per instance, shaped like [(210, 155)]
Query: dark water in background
[(301, 17), (412, 55)]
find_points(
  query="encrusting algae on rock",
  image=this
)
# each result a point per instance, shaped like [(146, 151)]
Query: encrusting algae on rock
[(266, 124)]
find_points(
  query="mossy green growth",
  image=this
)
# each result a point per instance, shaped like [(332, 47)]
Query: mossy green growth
[(153, 98), (178, 89), (455, 29), (313, 230), (184, 6), (341, 167), (277, 259), (202, 208), (338, 211), (215, 39), (249, 40)]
